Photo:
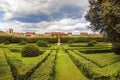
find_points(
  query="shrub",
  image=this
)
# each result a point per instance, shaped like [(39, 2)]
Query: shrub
[(70, 41), (23, 43), (41, 43), (30, 51), (7, 42)]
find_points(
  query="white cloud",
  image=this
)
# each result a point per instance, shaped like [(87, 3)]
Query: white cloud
[(21, 8), (7, 16), (66, 25)]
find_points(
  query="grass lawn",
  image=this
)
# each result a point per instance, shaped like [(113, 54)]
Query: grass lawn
[(66, 69)]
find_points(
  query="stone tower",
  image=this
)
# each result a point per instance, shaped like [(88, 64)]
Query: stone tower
[(11, 31)]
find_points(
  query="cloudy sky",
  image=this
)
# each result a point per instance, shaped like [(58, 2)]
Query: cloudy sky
[(44, 15)]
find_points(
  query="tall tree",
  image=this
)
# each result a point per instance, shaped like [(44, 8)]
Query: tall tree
[(104, 16)]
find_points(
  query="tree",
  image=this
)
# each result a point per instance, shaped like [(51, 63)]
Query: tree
[(104, 16)]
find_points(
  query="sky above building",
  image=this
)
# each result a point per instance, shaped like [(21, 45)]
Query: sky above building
[(44, 15)]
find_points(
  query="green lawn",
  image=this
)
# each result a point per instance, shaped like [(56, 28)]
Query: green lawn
[(66, 69)]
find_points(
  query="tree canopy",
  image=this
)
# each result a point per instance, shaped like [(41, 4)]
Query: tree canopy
[(104, 16)]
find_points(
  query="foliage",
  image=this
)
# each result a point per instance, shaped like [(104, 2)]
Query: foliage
[(47, 39), (15, 49), (78, 39), (23, 43), (93, 51), (90, 44), (104, 16), (30, 51), (4, 38), (16, 39), (70, 41), (102, 60), (77, 45), (23, 67), (5, 72), (93, 71), (65, 39), (41, 43), (7, 42), (97, 66), (94, 41), (46, 70), (116, 48)]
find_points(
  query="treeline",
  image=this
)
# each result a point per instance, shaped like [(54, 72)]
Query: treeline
[(75, 39)]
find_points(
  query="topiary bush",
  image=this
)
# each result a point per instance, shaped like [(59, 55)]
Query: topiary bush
[(7, 42), (41, 43), (30, 51), (23, 43)]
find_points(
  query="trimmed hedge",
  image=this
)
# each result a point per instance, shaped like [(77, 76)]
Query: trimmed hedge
[(96, 58), (5, 72), (70, 41), (46, 70), (41, 43), (94, 72), (91, 43), (95, 51), (30, 51), (23, 71), (65, 39), (7, 42), (23, 43), (15, 49), (47, 39), (4, 38)]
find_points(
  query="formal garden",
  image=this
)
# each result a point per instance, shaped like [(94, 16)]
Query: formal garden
[(67, 57), (75, 58)]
